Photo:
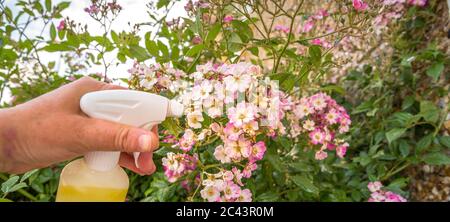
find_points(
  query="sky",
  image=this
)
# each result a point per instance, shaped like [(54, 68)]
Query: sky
[(133, 11)]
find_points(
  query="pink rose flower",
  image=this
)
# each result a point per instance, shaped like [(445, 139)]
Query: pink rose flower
[(359, 5)]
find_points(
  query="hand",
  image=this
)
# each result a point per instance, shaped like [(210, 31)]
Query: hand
[(52, 128)]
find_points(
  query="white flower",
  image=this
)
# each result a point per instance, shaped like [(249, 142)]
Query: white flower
[(210, 193), (241, 114), (194, 119), (172, 163), (220, 154), (197, 76), (148, 82), (302, 110), (200, 92), (309, 125), (237, 82)]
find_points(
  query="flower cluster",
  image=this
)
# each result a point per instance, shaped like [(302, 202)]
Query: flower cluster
[(379, 195), (229, 106), (351, 51), (178, 165), (322, 119), (157, 78), (214, 92), (190, 6), (225, 186), (103, 8)]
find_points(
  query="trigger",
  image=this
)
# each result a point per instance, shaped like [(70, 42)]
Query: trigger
[(149, 125)]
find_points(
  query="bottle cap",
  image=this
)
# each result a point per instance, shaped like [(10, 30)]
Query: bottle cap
[(102, 160)]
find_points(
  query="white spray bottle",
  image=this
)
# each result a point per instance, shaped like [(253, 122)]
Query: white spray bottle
[(97, 176)]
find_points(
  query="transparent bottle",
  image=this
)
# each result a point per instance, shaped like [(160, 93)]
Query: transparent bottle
[(92, 179)]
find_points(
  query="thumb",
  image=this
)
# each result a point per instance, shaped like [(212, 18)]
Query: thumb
[(102, 135)]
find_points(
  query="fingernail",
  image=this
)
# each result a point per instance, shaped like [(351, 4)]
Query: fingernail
[(144, 142)]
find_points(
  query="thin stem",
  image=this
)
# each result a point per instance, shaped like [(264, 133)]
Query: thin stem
[(197, 189), (387, 176), (288, 42)]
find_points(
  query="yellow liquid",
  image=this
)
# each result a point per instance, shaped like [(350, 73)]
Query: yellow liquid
[(79, 183), (90, 194)]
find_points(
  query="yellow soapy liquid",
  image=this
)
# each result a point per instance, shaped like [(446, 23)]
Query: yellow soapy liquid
[(79, 183), (90, 194)]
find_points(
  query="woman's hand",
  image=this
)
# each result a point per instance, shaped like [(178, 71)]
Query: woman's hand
[(52, 128)]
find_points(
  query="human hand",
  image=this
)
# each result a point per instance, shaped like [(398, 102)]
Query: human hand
[(52, 128)]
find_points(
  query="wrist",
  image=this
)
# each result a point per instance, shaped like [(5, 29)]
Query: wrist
[(7, 139)]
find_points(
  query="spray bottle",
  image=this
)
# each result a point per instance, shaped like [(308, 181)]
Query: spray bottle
[(97, 176)]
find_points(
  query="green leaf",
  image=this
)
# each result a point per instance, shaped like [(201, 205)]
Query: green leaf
[(445, 141), (254, 51), (28, 11), (408, 102), (269, 196), (404, 148), (52, 32), (151, 46), (48, 5), (7, 185), (436, 159), (162, 3), (401, 119), (315, 54), (63, 5), (163, 48), (394, 134), (18, 186), (275, 160), (284, 142), (28, 174), (424, 143), (235, 43), (241, 28), (301, 166), (57, 47), (435, 70), (305, 184), (429, 111), (399, 183), (175, 53), (139, 53), (213, 32), (121, 57), (114, 37), (5, 200), (334, 88), (194, 50), (363, 107), (171, 125), (73, 39)]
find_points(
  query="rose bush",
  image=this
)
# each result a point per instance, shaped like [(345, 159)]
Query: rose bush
[(254, 109), (285, 100)]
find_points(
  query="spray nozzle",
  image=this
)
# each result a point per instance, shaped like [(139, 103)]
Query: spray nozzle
[(135, 108)]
